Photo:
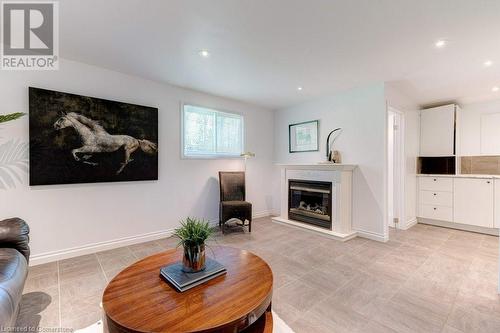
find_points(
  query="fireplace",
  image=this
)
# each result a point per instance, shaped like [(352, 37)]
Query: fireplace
[(310, 202)]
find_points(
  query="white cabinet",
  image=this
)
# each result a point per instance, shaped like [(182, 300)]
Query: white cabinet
[(436, 184), (436, 198), (473, 201), (437, 131), (497, 203), (490, 135)]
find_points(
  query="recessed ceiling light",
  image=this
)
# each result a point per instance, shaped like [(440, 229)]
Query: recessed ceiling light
[(440, 43), (299, 88), (495, 89), (204, 53), (488, 63)]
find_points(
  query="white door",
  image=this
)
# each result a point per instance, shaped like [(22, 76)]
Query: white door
[(437, 131), (473, 201)]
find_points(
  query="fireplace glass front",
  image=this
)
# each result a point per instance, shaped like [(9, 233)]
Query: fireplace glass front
[(310, 202)]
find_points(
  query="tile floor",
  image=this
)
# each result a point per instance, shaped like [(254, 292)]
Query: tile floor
[(426, 279)]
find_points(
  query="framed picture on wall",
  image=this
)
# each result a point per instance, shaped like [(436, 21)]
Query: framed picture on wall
[(303, 137), (81, 139)]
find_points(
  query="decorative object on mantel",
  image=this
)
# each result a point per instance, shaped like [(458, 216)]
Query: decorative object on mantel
[(80, 139), (303, 137), (192, 235), (246, 155), (335, 155)]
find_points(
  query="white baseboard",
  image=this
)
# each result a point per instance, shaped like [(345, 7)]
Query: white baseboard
[(373, 236), (410, 223), (51, 256), (264, 213), (465, 227)]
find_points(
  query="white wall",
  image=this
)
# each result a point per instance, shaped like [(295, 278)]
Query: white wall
[(470, 126), (62, 217), (362, 114), (405, 104)]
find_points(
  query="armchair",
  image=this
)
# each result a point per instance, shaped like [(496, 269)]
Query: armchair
[(232, 199)]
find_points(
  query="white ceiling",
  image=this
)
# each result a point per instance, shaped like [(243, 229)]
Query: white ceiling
[(261, 50)]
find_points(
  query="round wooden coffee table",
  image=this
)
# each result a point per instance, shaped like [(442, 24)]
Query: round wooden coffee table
[(139, 300)]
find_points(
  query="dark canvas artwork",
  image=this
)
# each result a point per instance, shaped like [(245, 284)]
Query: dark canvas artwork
[(79, 139)]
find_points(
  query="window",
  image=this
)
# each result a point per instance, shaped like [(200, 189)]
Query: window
[(211, 133)]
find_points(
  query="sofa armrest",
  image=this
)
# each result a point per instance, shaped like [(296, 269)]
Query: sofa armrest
[(14, 233)]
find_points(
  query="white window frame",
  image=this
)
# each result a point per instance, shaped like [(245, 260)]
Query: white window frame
[(216, 155)]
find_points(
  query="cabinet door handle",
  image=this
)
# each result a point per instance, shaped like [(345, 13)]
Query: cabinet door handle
[(435, 179), (435, 208), (434, 193), (488, 182)]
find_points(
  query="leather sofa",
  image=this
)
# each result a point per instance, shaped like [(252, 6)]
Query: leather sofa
[(14, 257)]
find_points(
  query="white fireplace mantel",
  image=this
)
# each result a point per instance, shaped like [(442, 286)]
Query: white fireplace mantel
[(340, 175)]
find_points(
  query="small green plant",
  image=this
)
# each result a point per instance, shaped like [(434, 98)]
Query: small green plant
[(11, 116), (193, 232)]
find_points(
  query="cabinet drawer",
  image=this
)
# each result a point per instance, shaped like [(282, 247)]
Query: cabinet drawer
[(436, 184), (436, 212), (436, 198)]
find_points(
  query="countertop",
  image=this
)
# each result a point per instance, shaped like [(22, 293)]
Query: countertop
[(461, 176)]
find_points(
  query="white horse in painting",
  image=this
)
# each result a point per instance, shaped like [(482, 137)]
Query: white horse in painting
[(96, 140)]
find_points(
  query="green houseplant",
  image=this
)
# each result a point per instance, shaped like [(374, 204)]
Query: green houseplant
[(11, 116), (192, 235)]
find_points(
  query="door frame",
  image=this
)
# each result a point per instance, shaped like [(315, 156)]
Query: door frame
[(399, 170)]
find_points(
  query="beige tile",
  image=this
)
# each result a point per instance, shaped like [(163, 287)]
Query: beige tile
[(78, 268), (471, 320), (168, 243), (308, 323), (374, 327), (484, 164), (365, 294), (83, 320), (465, 165), (298, 295), (286, 312), (430, 290), (39, 309), (449, 329), (143, 250), (406, 317), (342, 318), (442, 268), (330, 278), (42, 277), (113, 261), (410, 284), (86, 286)]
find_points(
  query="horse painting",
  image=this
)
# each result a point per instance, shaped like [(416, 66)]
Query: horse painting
[(77, 139), (96, 139)]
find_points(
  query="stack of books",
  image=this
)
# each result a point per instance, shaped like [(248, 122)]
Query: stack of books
[(183, 281)]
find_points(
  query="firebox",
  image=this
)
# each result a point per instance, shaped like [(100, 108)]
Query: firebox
[(310, 202)]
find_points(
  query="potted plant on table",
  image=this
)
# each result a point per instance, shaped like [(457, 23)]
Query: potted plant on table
[(192, 234)]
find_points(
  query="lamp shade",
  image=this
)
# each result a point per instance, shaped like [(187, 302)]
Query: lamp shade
[(247, 154)]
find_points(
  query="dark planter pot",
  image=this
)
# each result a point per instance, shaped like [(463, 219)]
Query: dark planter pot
[(194, 258)]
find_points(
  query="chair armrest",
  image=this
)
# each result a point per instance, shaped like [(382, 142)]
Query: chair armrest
[(14, 233)]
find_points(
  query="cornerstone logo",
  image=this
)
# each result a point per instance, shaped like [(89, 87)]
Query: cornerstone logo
[(30, 36)]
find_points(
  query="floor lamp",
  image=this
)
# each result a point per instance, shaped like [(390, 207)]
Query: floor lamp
[(247, 155)]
